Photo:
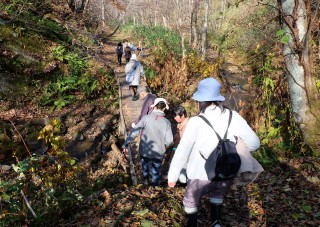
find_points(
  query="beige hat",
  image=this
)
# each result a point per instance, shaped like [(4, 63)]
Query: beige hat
[(157, 100)]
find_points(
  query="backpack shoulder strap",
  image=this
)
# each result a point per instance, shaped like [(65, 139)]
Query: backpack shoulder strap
[(226, 133), (229, 121), (206, 120)]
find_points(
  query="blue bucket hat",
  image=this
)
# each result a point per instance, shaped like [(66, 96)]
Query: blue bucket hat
[(208, 90)]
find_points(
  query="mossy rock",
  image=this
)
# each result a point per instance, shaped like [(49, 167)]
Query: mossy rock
[(24, 53)]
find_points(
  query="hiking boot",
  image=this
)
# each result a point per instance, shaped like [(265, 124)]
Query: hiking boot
[(217, 223), (215, 214), (192, 220)]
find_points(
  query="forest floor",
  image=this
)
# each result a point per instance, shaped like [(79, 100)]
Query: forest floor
[(285, 194)]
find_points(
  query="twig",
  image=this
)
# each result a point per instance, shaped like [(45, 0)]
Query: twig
[(28, 205), (21, 138)]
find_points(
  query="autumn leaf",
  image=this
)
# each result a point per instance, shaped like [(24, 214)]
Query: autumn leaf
[(146, 223), (306, 208), (141, 212)]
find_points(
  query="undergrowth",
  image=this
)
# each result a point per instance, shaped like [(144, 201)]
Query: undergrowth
[(47, 180), (76, 80), (168, 73)]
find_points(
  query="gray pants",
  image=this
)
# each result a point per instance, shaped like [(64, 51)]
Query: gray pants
[(197, 188)]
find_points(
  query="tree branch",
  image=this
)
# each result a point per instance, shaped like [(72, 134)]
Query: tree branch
[(21, 138), (28, 204)]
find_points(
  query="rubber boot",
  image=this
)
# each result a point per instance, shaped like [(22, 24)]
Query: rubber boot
[(192, 220), (216, 210)]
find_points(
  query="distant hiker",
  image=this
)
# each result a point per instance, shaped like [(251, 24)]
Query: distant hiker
[(181, 118), (155, 137), (134, 72), (96, 39), (141, 47), (127, 53), (119, 51), (127, 50), (148, 99), (125, 43), (197, 143)]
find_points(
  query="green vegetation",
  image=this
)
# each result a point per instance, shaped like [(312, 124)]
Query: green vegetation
[(51, 178), (166, 63), (52, 73), (45, 70), (162, 41)]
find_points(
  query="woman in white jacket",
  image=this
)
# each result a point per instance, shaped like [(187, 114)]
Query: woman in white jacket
[(199, 138), (134, 72)]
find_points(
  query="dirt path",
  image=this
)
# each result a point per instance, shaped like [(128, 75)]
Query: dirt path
[(129, 109), (285, 194)]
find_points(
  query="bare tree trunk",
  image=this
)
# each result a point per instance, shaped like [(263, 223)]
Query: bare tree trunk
[(76, 6), (183, 47), (194, 22), (156, 14), (191, 32), (222, 11), (86, 5), (102, 14), (204, 32), (296, 17), (164, 22), (134, 11)]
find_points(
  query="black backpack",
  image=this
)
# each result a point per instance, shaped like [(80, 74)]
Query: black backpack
[(224, 161), (120, 50)]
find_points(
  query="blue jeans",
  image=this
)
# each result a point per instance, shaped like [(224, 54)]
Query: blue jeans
[(155, 169)]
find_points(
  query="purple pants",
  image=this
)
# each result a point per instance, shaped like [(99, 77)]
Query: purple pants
[(197, 188)]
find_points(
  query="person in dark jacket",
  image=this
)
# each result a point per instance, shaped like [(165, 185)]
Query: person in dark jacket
[(127, 53), (148, 100), (119, 51)]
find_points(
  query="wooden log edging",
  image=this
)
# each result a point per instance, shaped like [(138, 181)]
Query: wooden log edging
[(123, 131)]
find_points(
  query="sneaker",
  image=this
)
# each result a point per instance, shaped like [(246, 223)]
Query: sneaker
[(217, 223), (183, 178), (135, 98), (133, 125)]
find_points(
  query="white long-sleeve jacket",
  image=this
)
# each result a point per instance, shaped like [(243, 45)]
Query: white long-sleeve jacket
[(199, 137), (134, 69)]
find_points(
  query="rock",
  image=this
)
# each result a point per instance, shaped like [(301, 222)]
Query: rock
[(78, 136), (228, 67), (4, 137), (4, 168), (102, 125), (40, 121)]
